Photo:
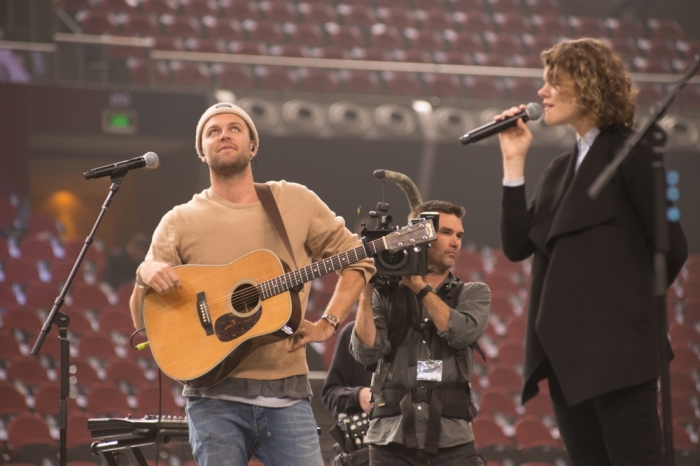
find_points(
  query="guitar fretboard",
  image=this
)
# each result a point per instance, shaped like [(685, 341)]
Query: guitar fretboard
[(298, 277)]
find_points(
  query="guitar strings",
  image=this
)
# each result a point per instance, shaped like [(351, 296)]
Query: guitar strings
[(254, 292)]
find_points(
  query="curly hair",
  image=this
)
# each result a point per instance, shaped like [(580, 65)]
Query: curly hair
[(602, 86)]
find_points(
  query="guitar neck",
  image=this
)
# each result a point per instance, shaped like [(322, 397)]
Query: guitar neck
[(298, 277)]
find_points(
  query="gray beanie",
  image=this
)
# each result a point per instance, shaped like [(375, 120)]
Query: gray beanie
[(224, 107)]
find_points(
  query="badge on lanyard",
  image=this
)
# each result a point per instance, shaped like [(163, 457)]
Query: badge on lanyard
[(429, 369)]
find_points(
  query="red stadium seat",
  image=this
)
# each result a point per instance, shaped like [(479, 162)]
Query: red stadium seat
[(383, 3), (41, 296), (467, 6), (189, 74), (473, 22), (159, 7), (148, 401), (487, 432), (29, 430), (396, 17), (287, 50), (264, 31), (317, 13), (12, 402), (46, 401), (531, 433), (85, 374), (356, 15), (435, 19), (278, 11), (505, 6), (515, 330), (504, 44), (369, 53), (75, 5), (345, 36), (247, 48), (667, 29), (116, 321), (552, 25), (310, 35), (21, 271), (624, 28), (89, 297), (73, 249), (229, 76), (360, 82), (125, 371), (222, 28), (7, 296), (200, 8), (206, 45), (139, 24), (484, 88), (276, 78), (506, 379), (453, 57), (96, 346), (496, 401), (315, 80), (513, 23), (510, 355), (108, 401), (96, 22), (587, 26), (443, 85), (25, 320), (684, 334), (402, 83), (543, 7), (35, 249), (425, 39), (180, 26), (540, 405), (386, 38), (27, 371), (242, 9)]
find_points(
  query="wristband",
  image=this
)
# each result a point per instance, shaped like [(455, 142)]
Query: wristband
[(422, 293)]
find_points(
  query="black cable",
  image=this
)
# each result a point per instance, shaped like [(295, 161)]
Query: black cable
[(131, 340)]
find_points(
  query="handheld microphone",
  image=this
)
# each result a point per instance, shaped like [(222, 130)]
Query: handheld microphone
[(148, 160), (532, 111)]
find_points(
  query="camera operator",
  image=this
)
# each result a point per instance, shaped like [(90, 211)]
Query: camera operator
[(421, 334)]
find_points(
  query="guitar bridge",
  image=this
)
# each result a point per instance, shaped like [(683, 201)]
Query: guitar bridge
[(203, 313)]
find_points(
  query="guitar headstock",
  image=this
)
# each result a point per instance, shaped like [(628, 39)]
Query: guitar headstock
[(411, 235)]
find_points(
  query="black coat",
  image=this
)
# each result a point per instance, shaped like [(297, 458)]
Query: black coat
[(591, 306)]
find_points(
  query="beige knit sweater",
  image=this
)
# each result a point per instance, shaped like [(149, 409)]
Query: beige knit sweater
[(212, 231)]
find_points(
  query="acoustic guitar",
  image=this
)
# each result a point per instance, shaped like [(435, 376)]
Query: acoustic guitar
[(202, 332)]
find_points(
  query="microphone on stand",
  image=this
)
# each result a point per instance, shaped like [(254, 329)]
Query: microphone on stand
[(148, 160), (532, 111)]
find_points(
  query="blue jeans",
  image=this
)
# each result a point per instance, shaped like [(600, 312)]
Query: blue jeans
[(228, 432)]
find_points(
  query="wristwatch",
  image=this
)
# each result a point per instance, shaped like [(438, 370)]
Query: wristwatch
[(421, 294), (333, 320)]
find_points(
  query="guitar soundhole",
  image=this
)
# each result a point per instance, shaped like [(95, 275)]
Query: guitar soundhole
[(245, 298)]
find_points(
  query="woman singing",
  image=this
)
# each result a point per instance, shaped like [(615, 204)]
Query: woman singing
[(592, 323)]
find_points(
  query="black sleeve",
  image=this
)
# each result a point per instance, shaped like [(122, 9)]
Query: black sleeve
[(516, 220), (344, 379)]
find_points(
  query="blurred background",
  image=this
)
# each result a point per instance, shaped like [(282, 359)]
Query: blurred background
[(337, 89)]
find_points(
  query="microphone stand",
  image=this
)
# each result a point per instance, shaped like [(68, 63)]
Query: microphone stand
[(653, 135), (62, 320)]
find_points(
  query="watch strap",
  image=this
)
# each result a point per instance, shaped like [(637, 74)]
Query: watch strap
[(422, 293), (331, 319)]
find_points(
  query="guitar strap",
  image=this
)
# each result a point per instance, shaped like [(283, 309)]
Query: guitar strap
[(268, 202)]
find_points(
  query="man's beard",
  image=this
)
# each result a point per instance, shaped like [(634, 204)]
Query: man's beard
[(227, 169)]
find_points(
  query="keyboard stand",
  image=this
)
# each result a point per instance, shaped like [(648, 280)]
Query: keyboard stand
[(108, 450)]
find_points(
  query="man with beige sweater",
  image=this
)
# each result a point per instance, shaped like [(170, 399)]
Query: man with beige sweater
[(263, 407)]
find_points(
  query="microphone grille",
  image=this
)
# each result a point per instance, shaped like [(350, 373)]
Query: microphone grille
[(151, 159), (534, 111)]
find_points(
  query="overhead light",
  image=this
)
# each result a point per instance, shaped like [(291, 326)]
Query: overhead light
[(422, 106), (223, 95)]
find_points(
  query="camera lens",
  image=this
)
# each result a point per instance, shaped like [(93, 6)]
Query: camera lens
[(393, 260)]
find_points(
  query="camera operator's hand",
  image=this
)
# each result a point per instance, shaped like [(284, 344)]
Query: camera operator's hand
[(365, 397), (364, 321), (414, 282)]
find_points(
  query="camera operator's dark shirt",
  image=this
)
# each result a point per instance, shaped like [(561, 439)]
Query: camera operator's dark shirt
[(467, 323)]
